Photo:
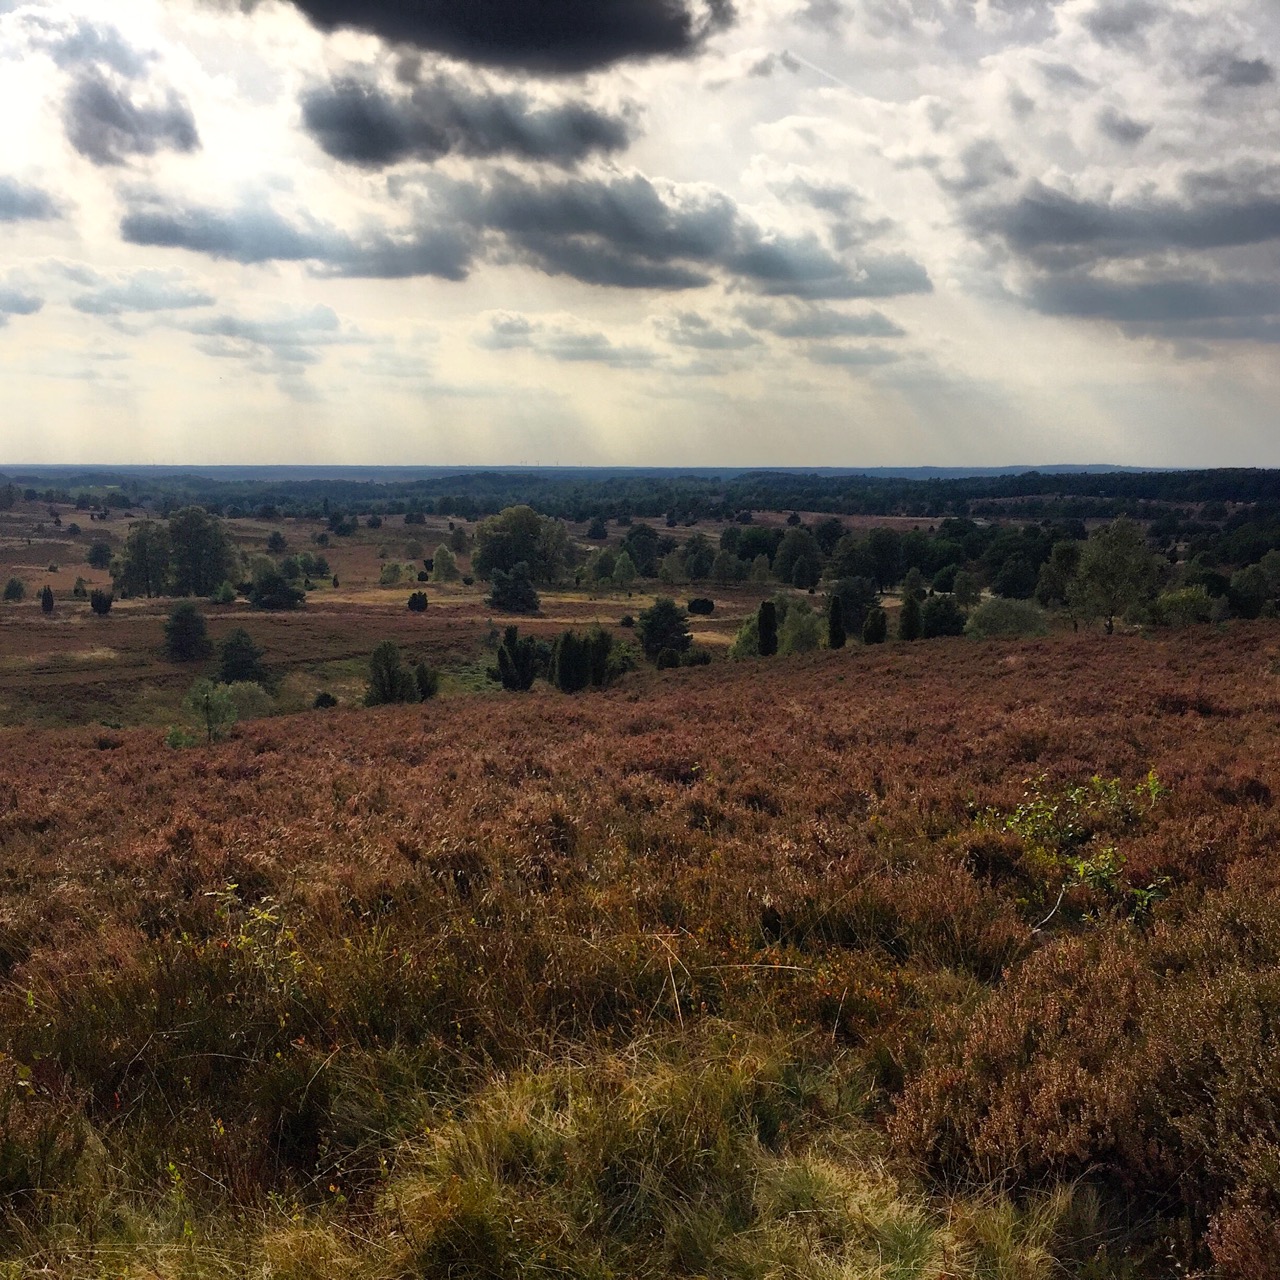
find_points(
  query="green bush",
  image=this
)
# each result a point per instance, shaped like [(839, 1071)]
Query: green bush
[(186, 634), (1001, 617), (14, 590)]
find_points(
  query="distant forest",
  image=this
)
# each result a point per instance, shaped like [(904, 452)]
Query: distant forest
[(575, 494)]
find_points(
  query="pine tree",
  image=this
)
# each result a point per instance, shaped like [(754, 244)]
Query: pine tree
[(517, 660), (46, 600), (835, 624), (767, 622), (910, 623), (875, 629)]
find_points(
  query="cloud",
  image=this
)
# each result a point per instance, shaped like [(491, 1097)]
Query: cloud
[(72, 42), (286, 343), (1122, 128), (13, 302), (564, 37), (821, 322), (615, 230), (1159, 302), (356, 122), (19, 203), (107, 126), (143, 291), (851, 357), (1044, 224), (689, 329), (566, 341), (1234, 72), (1120, 22)]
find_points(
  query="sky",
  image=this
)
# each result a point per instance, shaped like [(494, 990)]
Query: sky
[(640, 232)]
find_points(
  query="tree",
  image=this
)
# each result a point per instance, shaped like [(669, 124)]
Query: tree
[(699, 556), (519, 535), (1249, 591), (389, 680), (270, 589), (418, 602), (143, 566), (798, 559), (767, 628), (966, 590), (212, 706), (941, 616), (624, 571), (910, 623), (101, 601), (570, 663), (1001, 618), (664, 625), (513, 591), (875, 630), (517, 660), (202, 554), (276, 542), (885, 549), (99, 555), (186, 635), (46, 599), (801, 630), (240, 659), (444, 568), (458, 540), (857, 595), (726, 567), (913, 584), (428, 681), (597, 530), (835, 623), (1117, 572)]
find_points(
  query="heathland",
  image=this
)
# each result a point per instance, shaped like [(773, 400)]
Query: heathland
[(949, 957)]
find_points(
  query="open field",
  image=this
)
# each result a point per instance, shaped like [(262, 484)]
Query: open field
[(762, 969)]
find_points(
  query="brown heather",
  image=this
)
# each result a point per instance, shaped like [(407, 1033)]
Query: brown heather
[(751, 970)]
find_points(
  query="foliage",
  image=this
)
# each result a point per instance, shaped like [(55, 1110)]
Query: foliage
[(1116, 573), (624, 571), (966, 590), (240, 659), (701, 606), (46, 599), (444, 568), (767, 629), (428, 681), (517, 660), (142, 568), (875, 630), (202, 556), (746, 642), (389, 679), (1001, 618), (835, 623), (513, 592), (101, 601), (390, 574), (418, 602), (664, 625), (519, 535), (910, 619), (186, 634), (99, 555), (801, 630), (14, 590), (941, 616), (212, 708), (271, 590), (1183, 607)]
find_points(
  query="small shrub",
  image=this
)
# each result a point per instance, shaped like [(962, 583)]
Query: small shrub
[(323, 700), (697, 656), (101, 601), (14, 590), (667, 659), (46, 600), (626, 621), (875, 630), (942, 616), (701, 606), (428, 681), (418, 602), (186, 634), (389, 680)]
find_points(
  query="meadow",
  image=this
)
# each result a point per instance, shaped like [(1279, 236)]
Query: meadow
[(945, 960)]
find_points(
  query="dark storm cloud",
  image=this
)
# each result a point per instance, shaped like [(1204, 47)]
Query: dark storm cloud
[(105, 125), (554, 36), (14, 302), (1172, 304), (1120, 21), (1122, 128), (620, 231), (358, 123), (1045, 224), (21, 203), (255, 235), (1235, 72)]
